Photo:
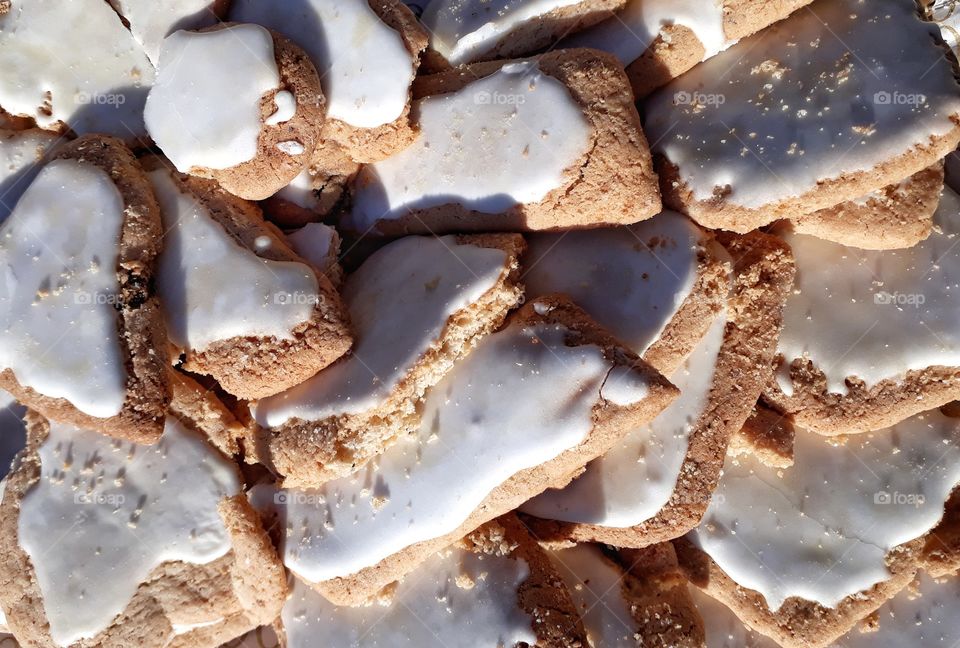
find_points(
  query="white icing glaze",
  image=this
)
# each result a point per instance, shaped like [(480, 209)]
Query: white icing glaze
[(291, 147), (286, 108), (203, 112), (922, 618), (364, 66), (105, 513), (635, 480), (458, 598), (316, 243), (521, 398), (876, 314), (723, 628), (212, 288), (501, 141), (151, 21), (597, 590), (633, 29), (823, 93), (821, 529), (300, 191), (647, 271), (59, 288), (13, 437), (20, 153), (419, 281), (184, 628), (80, 53), (464, 30)]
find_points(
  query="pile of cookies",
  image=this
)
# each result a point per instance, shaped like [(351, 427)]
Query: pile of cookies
[(558, 323)]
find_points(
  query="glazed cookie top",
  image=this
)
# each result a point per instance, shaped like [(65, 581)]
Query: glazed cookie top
[(723, 628), (364, 66), (825, 525), (58, 296), (520, 399), (807, 105), (647, 271), (214, 289), (122, 508), (419, 281), (464, 31), (75, 63), (504, 140), (596, 586), (200, 111), (635, 480), (20, 154), (316, 243), (456, 591), (151, 22), (875, 314), (634, 28)]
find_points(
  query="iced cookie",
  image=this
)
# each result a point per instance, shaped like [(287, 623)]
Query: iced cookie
[(467, 31), (151, 22), (724, 629), (496, 586), (802, 553), (552, 143), (111, 543), (320, 245), (319, 190), (367, 53), (239, 304), (655, 483), (824, 107), (768, 434), (72, 65), (871, 337), (417, 306), (84, 341), (639, 601), (525, 410), (21, 152), (897, 216), (252, 126), (658, 40)]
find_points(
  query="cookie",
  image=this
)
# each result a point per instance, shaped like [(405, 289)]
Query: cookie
[(658, 40), (556, 141), (527, 409), (417, 306), (151, 22), (655, 285), (468, 32), (84, 340), (824, 107), (318, 191), (655, 483), (497, 584), (101, 90), (870, 337), (253, 126), (239, 304), (169, 570), (21, 152), (766, 433), (722, 628), (320, 245), (640, 601), (898, 216), (802, 553), (367, 53)]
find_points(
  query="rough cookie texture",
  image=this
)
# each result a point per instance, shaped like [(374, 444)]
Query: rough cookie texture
[(256, 367), (272, 169), (767, 434), (244, 589), (762, 278), (318, 191), (142, 331), (613, 183)]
